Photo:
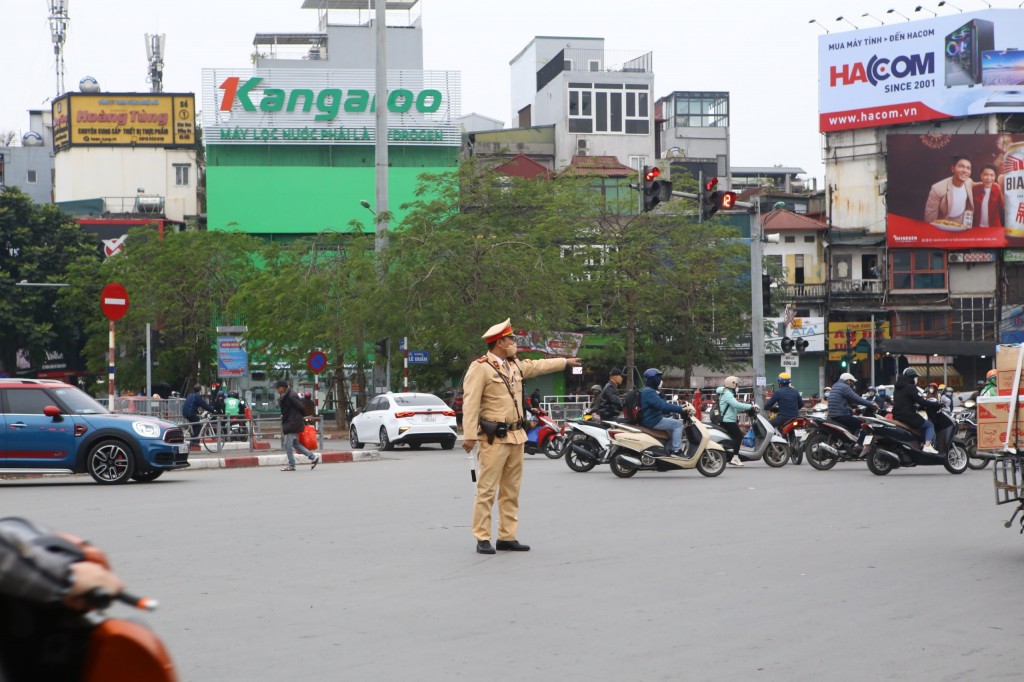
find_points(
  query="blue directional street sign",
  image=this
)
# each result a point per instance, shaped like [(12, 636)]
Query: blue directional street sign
[(419, 357)]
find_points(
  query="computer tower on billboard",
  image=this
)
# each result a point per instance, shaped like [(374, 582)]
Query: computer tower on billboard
[(964, 48)]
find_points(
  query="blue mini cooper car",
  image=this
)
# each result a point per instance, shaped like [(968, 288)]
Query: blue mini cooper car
[(49, 427)]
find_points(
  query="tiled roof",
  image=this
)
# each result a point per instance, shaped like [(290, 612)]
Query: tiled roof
[(521, 166), (603, 166), (780, 220)]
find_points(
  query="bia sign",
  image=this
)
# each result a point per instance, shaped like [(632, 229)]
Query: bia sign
[(329, 102)]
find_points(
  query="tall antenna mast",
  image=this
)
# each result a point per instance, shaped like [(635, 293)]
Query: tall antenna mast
[(155, 46), (58, 32)]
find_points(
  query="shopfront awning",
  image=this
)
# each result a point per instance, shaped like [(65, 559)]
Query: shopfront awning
[(903, 346), (930, 373)]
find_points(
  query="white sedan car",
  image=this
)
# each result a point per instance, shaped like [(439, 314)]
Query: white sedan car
[(404, 419)]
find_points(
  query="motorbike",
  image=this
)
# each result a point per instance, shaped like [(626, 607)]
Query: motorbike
[(795, 432), (967, 429), (890, 444), (1008, 476), (53, 642), (586, 443), (829, 442), (636, 448), (543, 436), (768, 444)]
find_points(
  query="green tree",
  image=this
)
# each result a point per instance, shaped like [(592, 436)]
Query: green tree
[(474, 249), (670, 292), (320, 293), (179, 283), (38, 243)]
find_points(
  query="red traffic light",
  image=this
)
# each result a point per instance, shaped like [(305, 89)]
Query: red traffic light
[(727, 200), (652, 173), (711, 184)]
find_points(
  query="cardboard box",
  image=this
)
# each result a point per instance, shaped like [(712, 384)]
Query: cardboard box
[(1006, 367), (993, 414)]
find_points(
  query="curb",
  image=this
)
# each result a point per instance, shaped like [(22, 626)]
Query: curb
[(278, 460)]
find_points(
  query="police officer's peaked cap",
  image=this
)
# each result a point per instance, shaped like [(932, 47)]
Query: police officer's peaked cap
[(498, 331)]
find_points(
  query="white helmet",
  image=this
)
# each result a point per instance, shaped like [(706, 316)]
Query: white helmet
[(846, 376), (732, 382)]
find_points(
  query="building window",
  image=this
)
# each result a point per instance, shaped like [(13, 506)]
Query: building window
[(181, 174), (790, 240), (809, 239), (918, 270), (930, 324), (702, 110), (31, 177), (974, 318), (608, 108)]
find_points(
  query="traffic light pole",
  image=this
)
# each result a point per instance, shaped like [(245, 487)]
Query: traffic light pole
[(757, 308), (640, 184)]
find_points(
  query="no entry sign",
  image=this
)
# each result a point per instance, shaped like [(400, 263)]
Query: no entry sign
[(114, 301)]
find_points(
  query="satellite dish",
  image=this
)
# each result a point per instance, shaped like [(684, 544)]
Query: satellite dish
[(89, 84), (32, 139)]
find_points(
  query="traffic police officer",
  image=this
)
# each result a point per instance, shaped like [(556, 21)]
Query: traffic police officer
[(492, 412)]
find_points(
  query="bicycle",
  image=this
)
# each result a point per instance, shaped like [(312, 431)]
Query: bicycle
[(213, 432)]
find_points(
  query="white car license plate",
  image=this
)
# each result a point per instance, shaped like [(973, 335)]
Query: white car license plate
[(801, 433), (183, 449), (429, 418), (867, 440)]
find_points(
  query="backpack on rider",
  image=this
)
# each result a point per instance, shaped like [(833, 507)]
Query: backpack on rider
[(631, 406)]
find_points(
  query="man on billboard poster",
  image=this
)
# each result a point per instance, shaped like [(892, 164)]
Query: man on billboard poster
[(927, 211), (988, 199), (951, 200)]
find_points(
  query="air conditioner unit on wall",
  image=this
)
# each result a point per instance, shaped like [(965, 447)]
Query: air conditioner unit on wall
[(582, 145)]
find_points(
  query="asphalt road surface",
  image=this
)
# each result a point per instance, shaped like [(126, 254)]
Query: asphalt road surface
[(367, 571)]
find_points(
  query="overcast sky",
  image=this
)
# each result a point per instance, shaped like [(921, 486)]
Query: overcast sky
[(764, 53)]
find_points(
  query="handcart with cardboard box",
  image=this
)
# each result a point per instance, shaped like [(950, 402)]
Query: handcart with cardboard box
[(1001, 429)]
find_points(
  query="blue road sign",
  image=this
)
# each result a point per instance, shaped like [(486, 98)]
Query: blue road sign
[(419, 357)]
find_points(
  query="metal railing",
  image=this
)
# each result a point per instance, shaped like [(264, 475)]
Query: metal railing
[(802, 290), (853, 287)]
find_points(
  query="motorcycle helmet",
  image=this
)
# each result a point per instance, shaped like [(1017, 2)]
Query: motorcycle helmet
[(933, 386), (652, 377), (732, 382), (785, 379), (911, 372), (846, 376), (595, 389), (991, 374)]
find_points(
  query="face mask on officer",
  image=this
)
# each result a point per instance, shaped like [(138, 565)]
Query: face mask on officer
[(511, 349)]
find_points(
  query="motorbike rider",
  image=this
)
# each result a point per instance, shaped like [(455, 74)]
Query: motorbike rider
[(731, 407), (609, 405), (883, 400), (840, 401), (653, 407), (931, 392), (786, 400), (595, 398), (989, 389), (907, 400), (946, 398)]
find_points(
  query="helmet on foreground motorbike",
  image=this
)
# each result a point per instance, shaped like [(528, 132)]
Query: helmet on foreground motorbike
[(991, 374), (732, 382), (846, 376), (785, 379), (595, 389), (652, 377)]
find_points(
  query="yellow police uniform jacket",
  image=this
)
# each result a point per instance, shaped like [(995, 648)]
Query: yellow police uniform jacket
[(485, 395)]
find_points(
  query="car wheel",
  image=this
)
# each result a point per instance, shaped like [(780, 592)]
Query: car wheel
[(353, 439), (448, 444), (147, 476), (110, 462), (385, 442)]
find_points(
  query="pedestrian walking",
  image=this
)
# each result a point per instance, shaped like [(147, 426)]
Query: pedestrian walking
[(190, 411), (292, 422), (493, 414)]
